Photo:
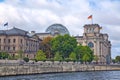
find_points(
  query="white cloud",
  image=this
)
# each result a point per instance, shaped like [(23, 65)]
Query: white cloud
[(39, 14)]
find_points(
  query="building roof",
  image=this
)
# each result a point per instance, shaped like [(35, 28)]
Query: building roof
[(13, 31), (2, 32), (78, 36), (42, 33), (93, 25)]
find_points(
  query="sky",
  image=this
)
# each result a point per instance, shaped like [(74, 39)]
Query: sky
[(37, 15)]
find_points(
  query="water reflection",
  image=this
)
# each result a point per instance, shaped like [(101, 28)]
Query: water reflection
[(98, 75)]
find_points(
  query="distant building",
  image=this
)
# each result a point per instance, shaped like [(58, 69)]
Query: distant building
[(43, 35), (14, 40), (97, 41)]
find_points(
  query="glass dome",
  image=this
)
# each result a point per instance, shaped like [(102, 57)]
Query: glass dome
[(57, 29)]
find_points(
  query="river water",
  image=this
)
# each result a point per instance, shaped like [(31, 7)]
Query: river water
[(97, 75)]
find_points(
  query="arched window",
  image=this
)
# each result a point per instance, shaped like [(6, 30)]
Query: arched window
[(90, 44), (27, 55)]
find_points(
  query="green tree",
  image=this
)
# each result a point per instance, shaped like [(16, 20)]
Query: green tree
[(20, 54), (4, 55), (72, 56), (86, 57), (64, 45), (57, 57), (46, 47), (85, 53), (117, 59), (67, 59), (96, 58), (78, 51), (113, 60), (40, 56)]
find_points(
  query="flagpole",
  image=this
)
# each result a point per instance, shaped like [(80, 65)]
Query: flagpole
[(92, 19), (7, 27)]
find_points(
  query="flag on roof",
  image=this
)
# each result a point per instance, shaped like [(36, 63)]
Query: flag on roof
[(6, 24), (90, 17)]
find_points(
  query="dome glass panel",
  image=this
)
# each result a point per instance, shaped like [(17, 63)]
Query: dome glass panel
[(57, 29)]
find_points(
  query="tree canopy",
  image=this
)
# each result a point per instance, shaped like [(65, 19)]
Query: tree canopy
[(57, 57), (96, 58), (86, 51), (72, 56), (117, 59), (40, 56), (64, 45), (78, 52), (4, 55), (46, 47)]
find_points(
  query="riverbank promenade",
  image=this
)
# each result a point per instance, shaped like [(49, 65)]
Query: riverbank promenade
[(15, 68)]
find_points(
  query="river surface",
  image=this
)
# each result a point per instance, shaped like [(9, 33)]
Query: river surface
[(97, 75)]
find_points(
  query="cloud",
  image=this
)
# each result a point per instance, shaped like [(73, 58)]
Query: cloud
[(39, 14)]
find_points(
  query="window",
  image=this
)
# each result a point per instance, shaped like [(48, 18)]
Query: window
[(26, 44), (8, 40), (14, 40), (88, 30), (13, 55), (4, 47), (21, 40), (27, 55), (4, 40), (14, 48), (90, 44), (21, 48), (92, 29), (8, 48)]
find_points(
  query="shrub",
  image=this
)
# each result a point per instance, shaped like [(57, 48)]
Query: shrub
[(36, 60), (67, 60), (26, 59)]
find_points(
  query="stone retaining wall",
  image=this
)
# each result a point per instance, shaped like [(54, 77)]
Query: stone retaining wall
[(15, 69)]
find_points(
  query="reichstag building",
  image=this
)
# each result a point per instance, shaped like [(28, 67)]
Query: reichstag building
[(16, 39)]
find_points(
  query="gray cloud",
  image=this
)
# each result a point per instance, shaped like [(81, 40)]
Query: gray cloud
[(39, 14)]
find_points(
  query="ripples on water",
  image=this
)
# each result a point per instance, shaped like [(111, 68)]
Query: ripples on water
[(98, 75)]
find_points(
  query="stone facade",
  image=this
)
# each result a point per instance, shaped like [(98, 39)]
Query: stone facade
[(97, 41), (43, 35), (14, 40)]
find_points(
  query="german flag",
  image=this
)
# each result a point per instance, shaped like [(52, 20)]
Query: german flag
[(90, 17)]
